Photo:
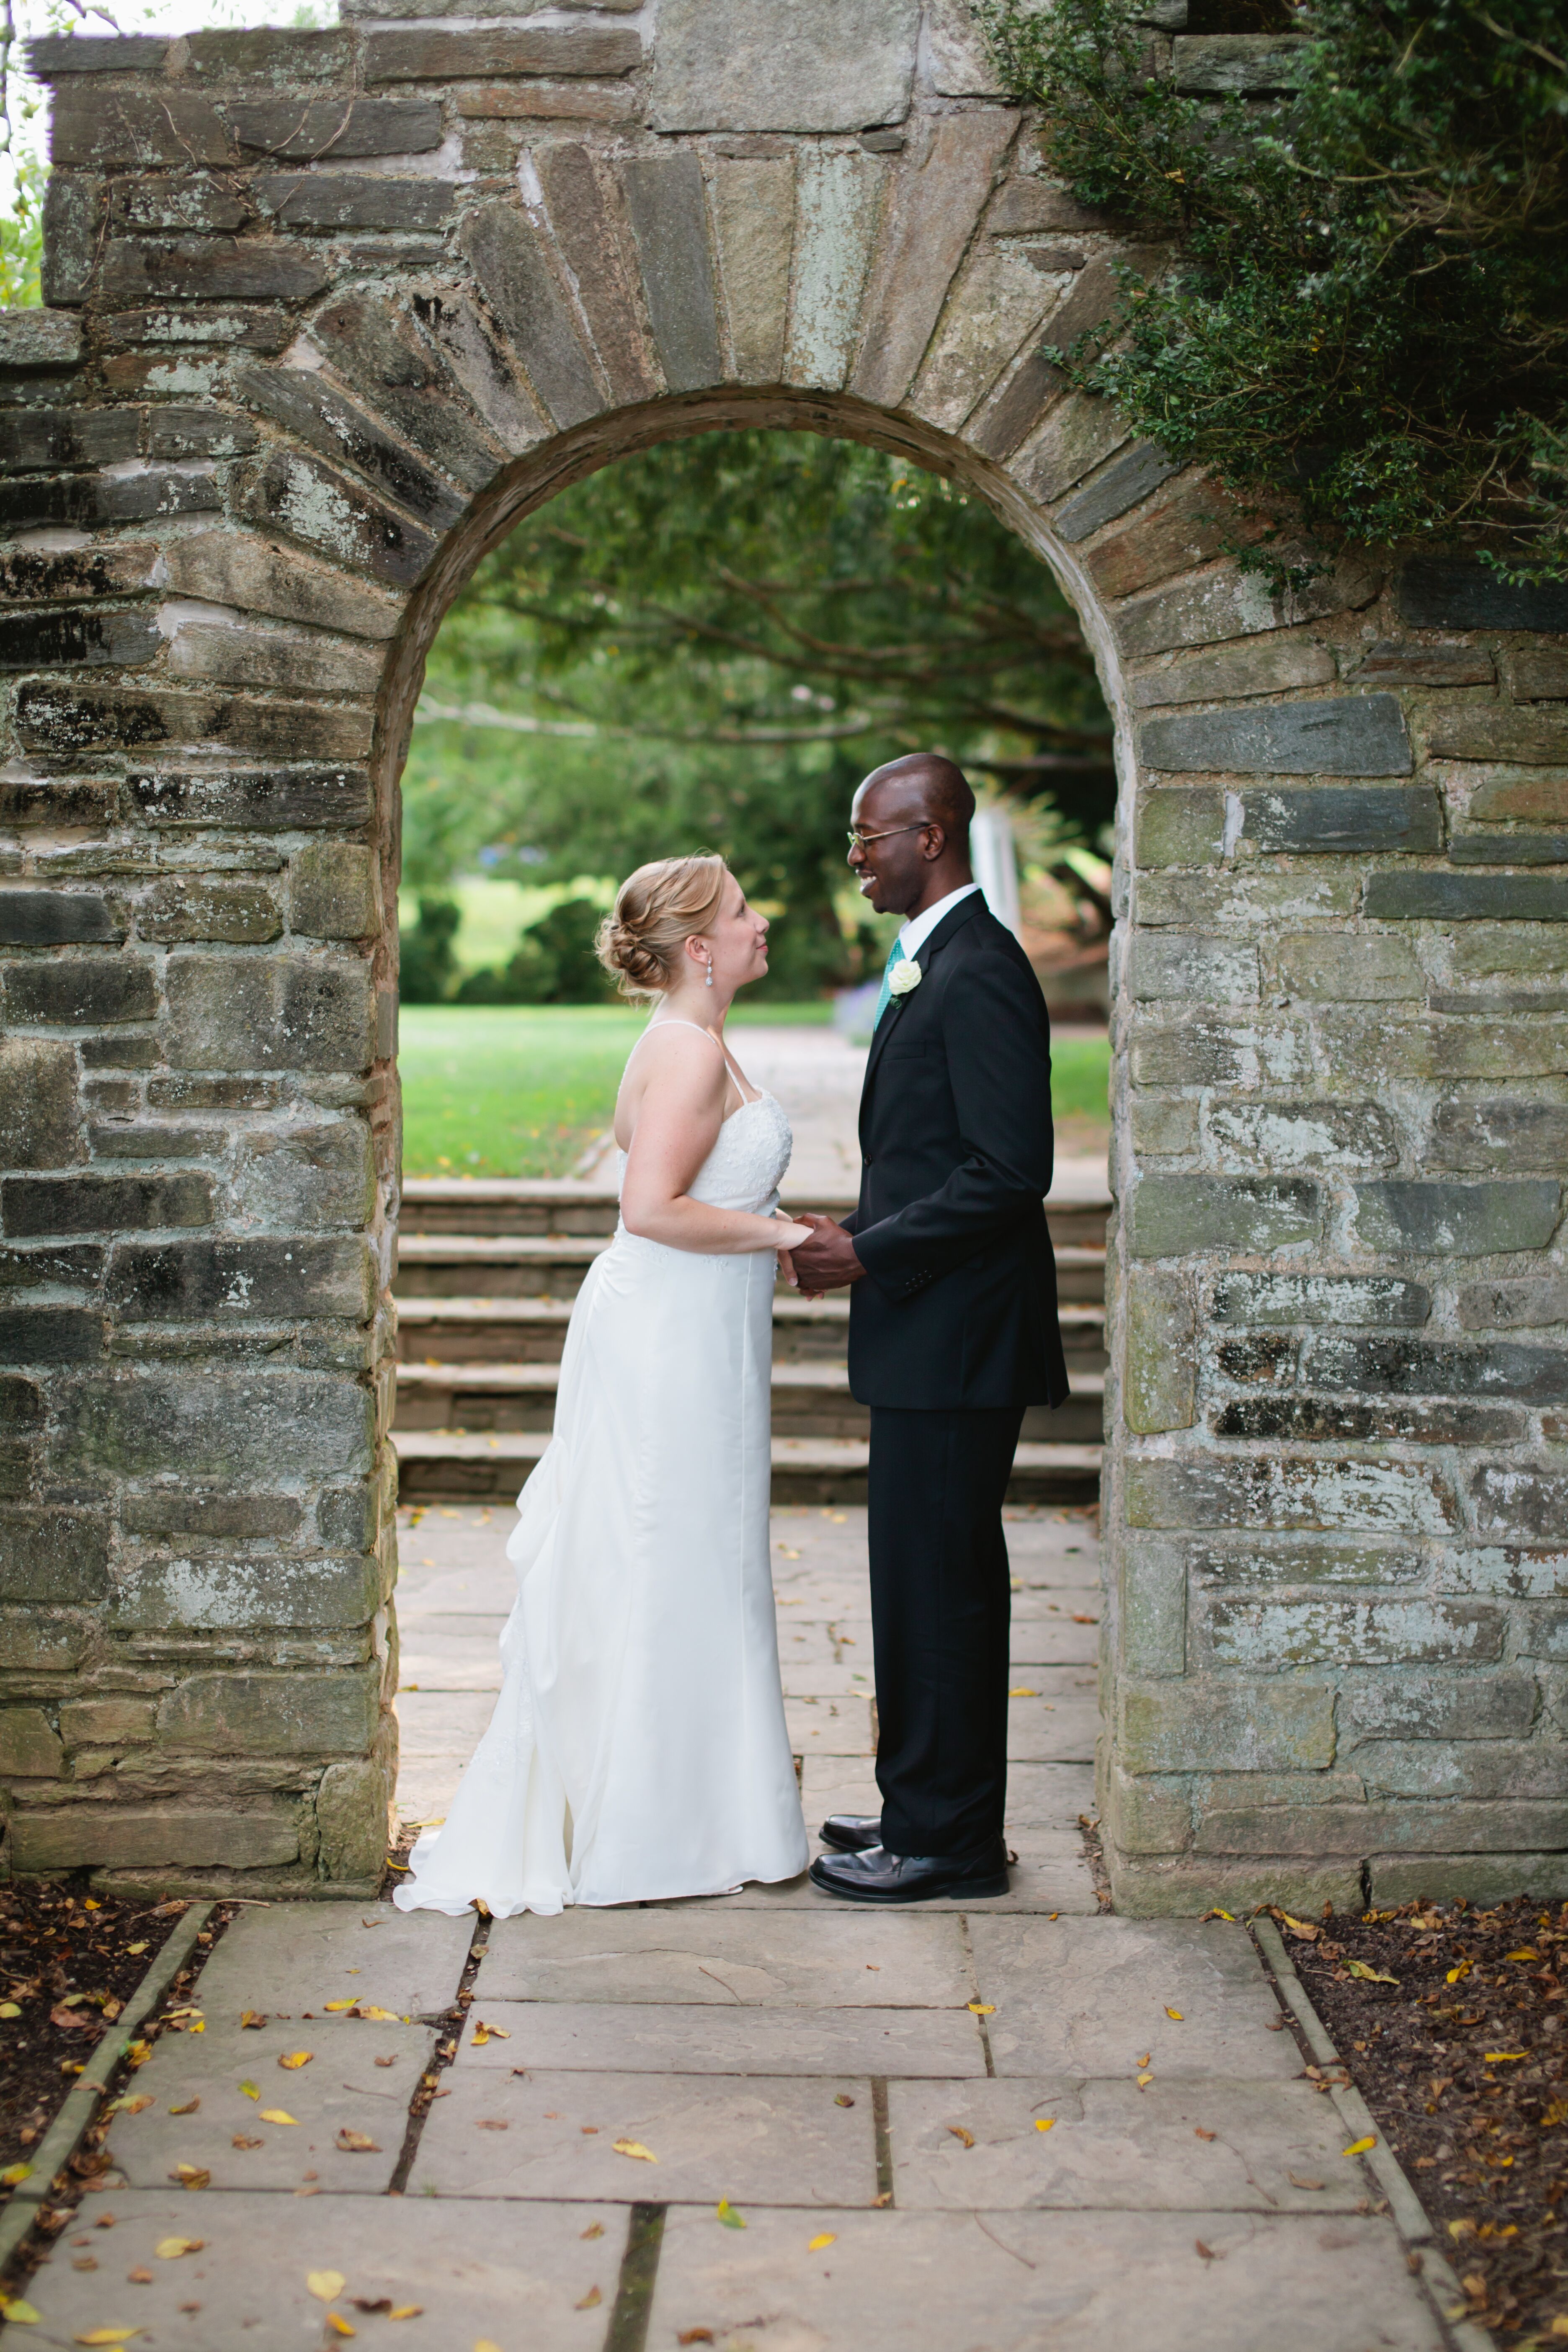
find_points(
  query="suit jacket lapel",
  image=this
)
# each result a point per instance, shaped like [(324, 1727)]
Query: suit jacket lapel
[(949, 925)]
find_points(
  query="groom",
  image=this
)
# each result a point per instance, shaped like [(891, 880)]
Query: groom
[(953, 1331)]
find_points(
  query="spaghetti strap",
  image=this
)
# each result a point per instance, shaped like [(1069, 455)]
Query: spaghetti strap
[(676, 1021)]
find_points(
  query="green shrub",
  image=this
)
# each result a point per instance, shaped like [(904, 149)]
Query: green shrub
[(1370, 312)]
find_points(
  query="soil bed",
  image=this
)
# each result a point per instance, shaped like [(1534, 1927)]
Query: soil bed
[(1464, 2063), (70, 1961)]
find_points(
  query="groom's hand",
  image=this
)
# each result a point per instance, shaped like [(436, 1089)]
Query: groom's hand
[(827, 1261)]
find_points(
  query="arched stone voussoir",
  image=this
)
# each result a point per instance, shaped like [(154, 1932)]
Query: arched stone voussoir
[(332, 311)]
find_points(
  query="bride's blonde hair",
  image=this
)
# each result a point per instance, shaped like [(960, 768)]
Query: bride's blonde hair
[(658, 909)]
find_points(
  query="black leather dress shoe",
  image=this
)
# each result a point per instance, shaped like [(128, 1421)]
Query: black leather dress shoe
[(874, 1875), (852, 1833)]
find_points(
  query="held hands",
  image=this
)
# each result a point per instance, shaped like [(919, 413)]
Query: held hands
[(791, 1232), (824, 1260)]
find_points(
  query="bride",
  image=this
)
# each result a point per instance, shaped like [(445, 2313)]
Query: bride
[(638, 1749)]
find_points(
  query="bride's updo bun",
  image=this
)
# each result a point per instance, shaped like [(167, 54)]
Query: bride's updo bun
[(658, 909)]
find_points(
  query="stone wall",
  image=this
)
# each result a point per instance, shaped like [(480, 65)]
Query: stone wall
[(329, 310)]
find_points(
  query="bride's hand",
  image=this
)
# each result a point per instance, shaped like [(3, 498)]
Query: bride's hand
[(791, 1234)]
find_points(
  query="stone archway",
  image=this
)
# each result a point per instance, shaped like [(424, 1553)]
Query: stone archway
[(329, 310)]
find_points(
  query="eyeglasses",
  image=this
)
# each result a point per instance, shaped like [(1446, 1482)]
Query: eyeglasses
[(858, 840)]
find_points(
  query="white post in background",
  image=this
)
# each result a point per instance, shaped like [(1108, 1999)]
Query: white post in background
[(995, 857)]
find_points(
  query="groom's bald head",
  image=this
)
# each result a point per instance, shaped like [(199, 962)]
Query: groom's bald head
[(921, 784), (911, 823)]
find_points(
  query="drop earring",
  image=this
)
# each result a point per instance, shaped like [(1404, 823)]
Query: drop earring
[(709, 983)]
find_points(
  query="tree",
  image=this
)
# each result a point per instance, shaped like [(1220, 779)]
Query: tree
[(709, 646), (1369, 319)]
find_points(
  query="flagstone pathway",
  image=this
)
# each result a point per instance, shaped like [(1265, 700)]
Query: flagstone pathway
[(762, 2122)]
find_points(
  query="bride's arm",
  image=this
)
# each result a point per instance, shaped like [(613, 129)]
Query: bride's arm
[(677, 1125)]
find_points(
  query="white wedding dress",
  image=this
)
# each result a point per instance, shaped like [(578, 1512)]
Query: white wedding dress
[(638, 1749)]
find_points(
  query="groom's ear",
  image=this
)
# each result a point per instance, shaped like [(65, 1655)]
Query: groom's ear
[(934, 843)]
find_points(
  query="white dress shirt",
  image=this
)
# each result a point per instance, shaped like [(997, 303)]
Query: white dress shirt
[(914, 935)]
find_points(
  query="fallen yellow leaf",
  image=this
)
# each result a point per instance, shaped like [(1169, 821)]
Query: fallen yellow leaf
[(728, 2215), (635, 2147), (294, 2059), (1505, 2057), (338, 2326), (10, 2008), (960, 2133), (1526, 1954), (16, 2307), (483, 2343), (337, 2004), (1023, 1691), (983, 2008), (1359, 2147), (1044, 2122), (252, 2016), (828, 2238), (102, 2335), (1143, 2080), (14, 2173), (277, 2116), (250, 2090), (407, 2311), (483, 2033), (1369, 1976), (191, 2176), (590, 2301), (356, 2143), (132, 2107), (1303, 1927), (325, 2285), (135, 1950), (389, 2017), (169, 2250), (187, 2108), (1176, 2015)]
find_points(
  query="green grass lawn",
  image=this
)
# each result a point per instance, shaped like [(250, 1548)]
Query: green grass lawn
[(522, 1090)]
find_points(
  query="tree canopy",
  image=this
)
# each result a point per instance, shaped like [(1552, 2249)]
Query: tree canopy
[(1370, 317), (708, 645)]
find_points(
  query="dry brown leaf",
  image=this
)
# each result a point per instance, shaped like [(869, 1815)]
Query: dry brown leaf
[(243, 2139), (356, 2143), (139, 2278), (1199, 2133), (253, 2018), (695, 2336), (594, 2229), (492, 2123), (1208, 2253), (960, 2133), (1297, 2181), (191, 2175)]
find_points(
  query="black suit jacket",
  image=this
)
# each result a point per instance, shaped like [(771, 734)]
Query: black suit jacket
[(958, 1303)]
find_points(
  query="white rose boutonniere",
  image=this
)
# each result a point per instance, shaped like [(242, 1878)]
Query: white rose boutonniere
[(904, 977)]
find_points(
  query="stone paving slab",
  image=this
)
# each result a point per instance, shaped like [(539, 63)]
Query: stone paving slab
[(443, 1722), (773, 2141), (1053, 1731), (299, 1956), (445, 1651), (517, 2287), (830, 1727), (672, 2038), (1208, 2146), (1011, 2281), (341, 2088), (1049, 1796), (1050, 1876), (842, 1958), (1093, 1997)]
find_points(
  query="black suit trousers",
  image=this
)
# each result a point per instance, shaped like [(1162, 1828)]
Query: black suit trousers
[(941, 1609)]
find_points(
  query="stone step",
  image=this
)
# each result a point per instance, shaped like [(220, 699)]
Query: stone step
[(552, 1265), (808, 1401), (437, 1467), (531, 1330), (568, 1207)]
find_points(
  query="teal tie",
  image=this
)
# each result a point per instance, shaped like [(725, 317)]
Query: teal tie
[(894, 956)]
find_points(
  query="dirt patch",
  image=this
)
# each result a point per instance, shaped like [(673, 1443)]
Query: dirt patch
[(1463, 2060), (70, 1961)]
